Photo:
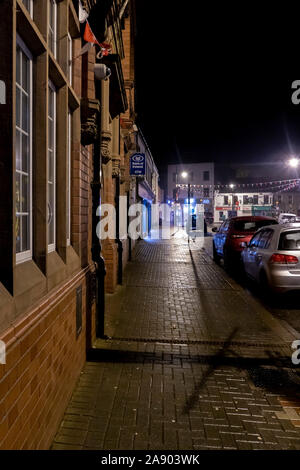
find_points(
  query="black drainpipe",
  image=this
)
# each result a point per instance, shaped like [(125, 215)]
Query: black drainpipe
[(96, 246), (119, 242)]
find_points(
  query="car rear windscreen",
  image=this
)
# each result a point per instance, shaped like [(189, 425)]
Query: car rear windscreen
[(251, 226), (289, 240)]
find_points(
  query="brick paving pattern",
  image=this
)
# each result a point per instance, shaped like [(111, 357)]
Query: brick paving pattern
[(192, 362)]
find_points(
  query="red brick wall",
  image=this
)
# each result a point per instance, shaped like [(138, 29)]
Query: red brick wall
[(108, 246), (43, 362), (81, 193), (44, 356)]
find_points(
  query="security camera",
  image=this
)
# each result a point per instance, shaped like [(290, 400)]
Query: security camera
[(102, 72)]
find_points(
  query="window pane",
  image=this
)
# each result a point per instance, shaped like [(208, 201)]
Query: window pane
[(50, 39), (18, 107), (69, 178), (18, 234), (52, 25), (70, 54), (18, 192), (18, 71), (50, 167), (25, 153), (27, 4), (25, 112), (18, 150), (51, 103), (25, 72), (244, 226), (25, 233), (51, 201), (50, 134), (51, 214), (25, 194), (289, 241), (51, 13)]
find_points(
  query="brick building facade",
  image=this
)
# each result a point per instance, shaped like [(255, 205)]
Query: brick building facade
[(59, 126), (119, 134)]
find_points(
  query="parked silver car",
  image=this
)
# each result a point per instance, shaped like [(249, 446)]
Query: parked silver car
[(272, 257), (285, 218)]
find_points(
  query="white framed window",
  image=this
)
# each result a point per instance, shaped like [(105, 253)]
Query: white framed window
[(69, 178), (70, 58), (29, 5), (51, 203), (52, 27), (23, 145)]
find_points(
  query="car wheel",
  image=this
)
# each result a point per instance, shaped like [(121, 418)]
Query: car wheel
[(216, 257)]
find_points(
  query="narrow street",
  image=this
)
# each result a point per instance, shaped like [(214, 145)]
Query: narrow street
[(193, 362)]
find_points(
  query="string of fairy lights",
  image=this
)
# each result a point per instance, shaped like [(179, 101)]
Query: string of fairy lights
[(271, 186)]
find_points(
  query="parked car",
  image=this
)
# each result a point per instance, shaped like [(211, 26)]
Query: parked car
[(284, 218), (228, 238), (272, 257)]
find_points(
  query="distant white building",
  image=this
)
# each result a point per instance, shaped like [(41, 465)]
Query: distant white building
[(231, 204), (201, 179)]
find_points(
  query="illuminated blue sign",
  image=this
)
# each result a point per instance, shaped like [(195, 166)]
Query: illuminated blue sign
[(138, 164)]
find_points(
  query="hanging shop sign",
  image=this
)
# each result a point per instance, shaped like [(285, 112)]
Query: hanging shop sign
[(138, 164)]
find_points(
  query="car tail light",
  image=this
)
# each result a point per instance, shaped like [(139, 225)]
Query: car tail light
[(283, 259), (237, 236)]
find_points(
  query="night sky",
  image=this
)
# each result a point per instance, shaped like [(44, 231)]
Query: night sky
[(215, 84)]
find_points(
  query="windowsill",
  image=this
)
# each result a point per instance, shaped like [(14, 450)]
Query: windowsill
[(72, 260), (23, 257), (30, 285), (56, 270), (6, 308)]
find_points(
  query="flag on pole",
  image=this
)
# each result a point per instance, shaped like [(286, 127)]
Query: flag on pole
[(89, 36)]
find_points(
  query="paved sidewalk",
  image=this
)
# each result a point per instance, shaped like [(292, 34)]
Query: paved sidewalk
[(193, 362)]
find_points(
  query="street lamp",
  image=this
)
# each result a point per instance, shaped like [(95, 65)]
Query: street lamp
[(231, 187), (184, 174), (293, 162)]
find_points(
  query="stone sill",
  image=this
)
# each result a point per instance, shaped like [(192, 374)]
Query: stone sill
[(32, 287)]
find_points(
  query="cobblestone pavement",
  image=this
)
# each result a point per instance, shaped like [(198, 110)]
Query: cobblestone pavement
[(192, 362)]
